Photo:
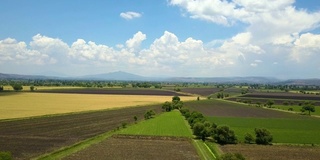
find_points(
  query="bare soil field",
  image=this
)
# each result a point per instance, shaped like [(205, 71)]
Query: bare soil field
[(201, 91), (29, 138), (264, 100), (138, 147), (118, 91), (228, 109), (278, 152), (282, 95)]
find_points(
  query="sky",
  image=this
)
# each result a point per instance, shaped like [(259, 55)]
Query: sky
[(176, 38)]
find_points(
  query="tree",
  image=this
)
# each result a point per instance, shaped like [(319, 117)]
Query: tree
[(175, 98), (149, 114), (198, 98), (269, 103), (203, 130), (167, 106), (1, 88), (263, 136), (31, 88), (231, 156), (135, 118), (224, 135), (248, 138), (308, 107), (17, 87)]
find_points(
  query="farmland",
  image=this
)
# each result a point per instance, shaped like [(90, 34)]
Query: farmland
[(138, 148), (262, 152), (18, 105), (163, 137), (28, 138), (168, 124)]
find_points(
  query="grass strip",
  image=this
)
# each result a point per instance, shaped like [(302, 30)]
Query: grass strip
[(203, 150), (65, 151)]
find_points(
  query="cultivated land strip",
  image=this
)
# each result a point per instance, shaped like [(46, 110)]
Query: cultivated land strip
[(29, 138)]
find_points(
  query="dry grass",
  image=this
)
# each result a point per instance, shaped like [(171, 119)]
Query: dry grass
[(37, 104)]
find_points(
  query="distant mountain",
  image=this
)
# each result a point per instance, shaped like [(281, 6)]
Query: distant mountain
[(250, 80), (124, 76)]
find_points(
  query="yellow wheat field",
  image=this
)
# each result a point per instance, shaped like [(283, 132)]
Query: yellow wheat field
[(25, 104)]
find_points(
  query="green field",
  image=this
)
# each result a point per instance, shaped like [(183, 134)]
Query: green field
[(296, 108), (167, 124), (296, 131)]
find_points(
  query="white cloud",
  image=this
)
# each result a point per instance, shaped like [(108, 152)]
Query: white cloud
[(130, 15), (135, 41)]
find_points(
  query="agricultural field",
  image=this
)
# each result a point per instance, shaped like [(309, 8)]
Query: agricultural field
[(168, 124), (29, 104), (163, 137), (285, 127), (142, 148), (200, 91), (297, 109), (27, 138), (262, 152), (283, 95), (114, 91)]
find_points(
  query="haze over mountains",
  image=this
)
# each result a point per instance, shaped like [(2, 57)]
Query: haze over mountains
[(124, 76)]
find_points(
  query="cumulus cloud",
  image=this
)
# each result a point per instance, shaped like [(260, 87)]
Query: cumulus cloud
[(130, 15), (135, 41)]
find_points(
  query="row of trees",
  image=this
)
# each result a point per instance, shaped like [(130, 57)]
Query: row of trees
[(175, 103), (204, 129)]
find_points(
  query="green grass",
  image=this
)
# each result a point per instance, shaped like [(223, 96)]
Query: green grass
[(203, 150), (167, 124), (296, 108), (295, 131)]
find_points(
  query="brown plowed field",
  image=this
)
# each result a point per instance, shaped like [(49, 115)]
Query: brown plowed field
[(131, 148), (261, 152), (201, 91), (33, 137), (115, 91), (264, 100), (229, 109), (281, 95)]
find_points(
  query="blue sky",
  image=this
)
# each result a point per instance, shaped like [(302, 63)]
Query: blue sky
[(209, 38)]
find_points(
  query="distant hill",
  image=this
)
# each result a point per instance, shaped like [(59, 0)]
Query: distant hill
[(115, 76), (124, 76)]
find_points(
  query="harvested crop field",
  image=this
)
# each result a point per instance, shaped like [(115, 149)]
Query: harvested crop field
[(229, 109), (17, 105), (281, 152), (282, 95), (115, 91), (139, 147), (29, 138)]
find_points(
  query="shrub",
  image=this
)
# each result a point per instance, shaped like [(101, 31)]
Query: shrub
[(290, 109), (248, 138), (5, 156), (231, 156), (263, 136), (149, 114), (124, 125)]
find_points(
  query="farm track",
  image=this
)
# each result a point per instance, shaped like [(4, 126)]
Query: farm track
[(29, 138), (139, 147), (154, 92)]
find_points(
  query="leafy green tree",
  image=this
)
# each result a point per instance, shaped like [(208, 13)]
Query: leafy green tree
[(308, 107), (124, 125), (198, 98), (248, 138), (202, 130), (17, 86), (224, 135), (231, 156), (31, 88), (175, 98), (149, 114), (269, 103), (167, 106), (263, 136), (1, 88)]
